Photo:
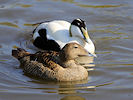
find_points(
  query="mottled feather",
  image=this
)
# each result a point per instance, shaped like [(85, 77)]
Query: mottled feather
[(51, 65)]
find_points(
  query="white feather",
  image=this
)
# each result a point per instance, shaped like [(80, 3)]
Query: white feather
[(58, 30), (76, 31), (35, 35)]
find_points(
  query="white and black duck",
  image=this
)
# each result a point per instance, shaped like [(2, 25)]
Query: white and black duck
[(54, 35)]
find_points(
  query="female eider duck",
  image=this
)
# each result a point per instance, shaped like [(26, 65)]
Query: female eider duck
[(56, 34), (52, 65)]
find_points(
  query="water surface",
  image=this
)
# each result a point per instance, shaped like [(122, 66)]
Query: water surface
[(110, 24)]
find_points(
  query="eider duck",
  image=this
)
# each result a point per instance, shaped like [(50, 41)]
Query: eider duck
[(52, 65), (55, 34)]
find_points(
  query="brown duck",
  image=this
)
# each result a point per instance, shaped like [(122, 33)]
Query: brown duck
[(51, 65)]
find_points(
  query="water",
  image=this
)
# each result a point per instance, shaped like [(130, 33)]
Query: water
[(109, 23)]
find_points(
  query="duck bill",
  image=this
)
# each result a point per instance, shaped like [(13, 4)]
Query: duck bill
[(92, 55), (89, 55), (85, 34)]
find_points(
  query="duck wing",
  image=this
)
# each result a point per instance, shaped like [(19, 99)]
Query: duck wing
[(37, 69), (57, 30), (46, 58), (41, 64)]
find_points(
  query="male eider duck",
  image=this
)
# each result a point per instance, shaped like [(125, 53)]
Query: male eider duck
[(52, 65), (56, 34)]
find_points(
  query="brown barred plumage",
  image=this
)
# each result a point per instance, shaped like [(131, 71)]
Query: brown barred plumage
[(51, 65)]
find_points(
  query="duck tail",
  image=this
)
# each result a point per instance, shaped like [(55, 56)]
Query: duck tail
[(19, 53)]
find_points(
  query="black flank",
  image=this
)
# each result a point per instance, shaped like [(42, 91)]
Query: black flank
[(43, 43)]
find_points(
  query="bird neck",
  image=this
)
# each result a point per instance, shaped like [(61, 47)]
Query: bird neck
[(65, 61), (68, 64)]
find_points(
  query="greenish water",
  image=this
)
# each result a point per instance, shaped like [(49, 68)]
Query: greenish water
[(110, 24)]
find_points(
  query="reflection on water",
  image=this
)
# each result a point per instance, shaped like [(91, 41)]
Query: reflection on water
[(72, 89), (27, 24), (9, 24), (63, 87), (73, 98), (110, 26), (99, 6), (24, 5), (92, 6), (69, 1)]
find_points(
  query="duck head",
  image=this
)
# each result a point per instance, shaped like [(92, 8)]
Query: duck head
[(71, 51), (78, 28)]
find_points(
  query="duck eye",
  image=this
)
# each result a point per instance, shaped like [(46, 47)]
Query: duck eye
[(75, 47)]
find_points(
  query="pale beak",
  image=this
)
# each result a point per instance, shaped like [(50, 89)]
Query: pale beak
[(92, 55), (89, 55), (85, 33)]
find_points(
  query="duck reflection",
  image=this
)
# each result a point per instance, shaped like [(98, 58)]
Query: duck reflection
[(72, 89), (87, 62), (73, 98), (63, 87)]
